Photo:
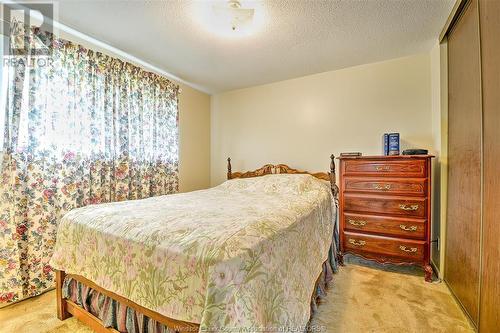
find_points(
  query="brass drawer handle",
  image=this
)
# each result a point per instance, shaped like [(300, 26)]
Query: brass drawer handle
[(406, 249), (410, 228), (357, 243), (357, 223), (382, 168), (382, 186), (408, 207)]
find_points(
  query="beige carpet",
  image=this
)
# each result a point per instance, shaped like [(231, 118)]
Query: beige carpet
[(361, 299)]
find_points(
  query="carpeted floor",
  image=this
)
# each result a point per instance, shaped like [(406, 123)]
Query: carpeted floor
[(365, 299), (361, 299)]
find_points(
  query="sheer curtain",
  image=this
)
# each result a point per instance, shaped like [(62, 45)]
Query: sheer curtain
[(80, 128)]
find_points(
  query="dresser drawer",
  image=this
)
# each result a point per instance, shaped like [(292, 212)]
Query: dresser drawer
[(398, 168), (401, 186), (387, 246), (404, 206), (401, 227)]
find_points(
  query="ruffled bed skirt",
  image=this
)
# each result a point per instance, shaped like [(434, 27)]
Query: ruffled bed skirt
[(125, 319), (112, 313)]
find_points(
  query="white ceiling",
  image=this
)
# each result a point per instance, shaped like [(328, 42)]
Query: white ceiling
[(291, 38)]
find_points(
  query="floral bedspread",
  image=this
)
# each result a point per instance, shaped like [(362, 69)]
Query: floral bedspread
[(242, 256)]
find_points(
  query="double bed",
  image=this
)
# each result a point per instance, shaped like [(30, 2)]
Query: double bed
[(251, 254)]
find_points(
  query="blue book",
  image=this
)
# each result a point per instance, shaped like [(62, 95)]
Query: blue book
[(386, 144), (393, 144)]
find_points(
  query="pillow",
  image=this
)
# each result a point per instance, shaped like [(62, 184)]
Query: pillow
[(276, 183)]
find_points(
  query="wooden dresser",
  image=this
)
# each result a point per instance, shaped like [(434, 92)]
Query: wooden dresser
[(385, 209)]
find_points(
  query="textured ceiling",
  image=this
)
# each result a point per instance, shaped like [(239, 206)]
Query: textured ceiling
[(290, 39)]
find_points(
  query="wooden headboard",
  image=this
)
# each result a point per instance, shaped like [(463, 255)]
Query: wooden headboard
[(270, 169)]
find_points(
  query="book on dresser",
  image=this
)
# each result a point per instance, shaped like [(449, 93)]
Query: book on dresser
[(385, 209)]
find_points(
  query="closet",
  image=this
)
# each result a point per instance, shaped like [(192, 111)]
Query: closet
[(472, 259)]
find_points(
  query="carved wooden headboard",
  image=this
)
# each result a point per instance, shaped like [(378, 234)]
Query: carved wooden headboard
[(269, 169)]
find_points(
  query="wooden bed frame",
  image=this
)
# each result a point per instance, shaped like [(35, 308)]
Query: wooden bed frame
[(66, 308)]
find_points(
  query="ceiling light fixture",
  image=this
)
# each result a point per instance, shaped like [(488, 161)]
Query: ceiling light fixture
[(233, 19), (232, 15)]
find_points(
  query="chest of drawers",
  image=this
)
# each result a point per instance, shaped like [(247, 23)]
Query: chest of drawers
[(385, 209)]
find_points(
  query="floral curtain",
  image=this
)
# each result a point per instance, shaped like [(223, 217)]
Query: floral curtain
[(80, 128)]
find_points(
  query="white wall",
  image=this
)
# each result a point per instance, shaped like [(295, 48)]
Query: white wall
[(302, 121)]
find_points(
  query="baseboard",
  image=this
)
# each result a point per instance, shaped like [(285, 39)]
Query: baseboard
[(464, 310), (436, 270)]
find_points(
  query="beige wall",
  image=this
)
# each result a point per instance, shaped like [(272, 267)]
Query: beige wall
[(194, 129), (439, 100), (443, 111), (439, 70), (436, 133), (302, 121)]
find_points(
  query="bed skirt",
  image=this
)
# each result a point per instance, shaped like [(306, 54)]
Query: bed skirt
[(125, 319)]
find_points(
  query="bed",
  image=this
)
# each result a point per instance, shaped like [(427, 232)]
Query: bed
[(251, 254)]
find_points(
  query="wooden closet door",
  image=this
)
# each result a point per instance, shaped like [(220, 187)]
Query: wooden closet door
[(462, 259), (489, 314)]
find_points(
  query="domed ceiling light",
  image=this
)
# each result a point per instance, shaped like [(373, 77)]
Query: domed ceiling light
[(232, 15)]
